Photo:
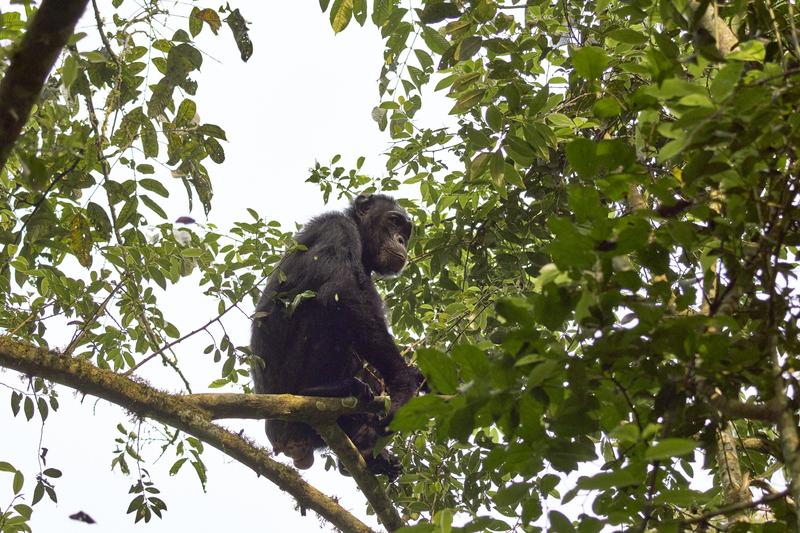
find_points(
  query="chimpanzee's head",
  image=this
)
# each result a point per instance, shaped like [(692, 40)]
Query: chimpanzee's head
[(385, 228)]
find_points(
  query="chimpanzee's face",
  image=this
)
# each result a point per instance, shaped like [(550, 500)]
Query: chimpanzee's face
[(386, 229), (393, 253)]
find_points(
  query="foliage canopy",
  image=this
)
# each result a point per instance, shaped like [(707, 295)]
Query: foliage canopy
[(603, 272)]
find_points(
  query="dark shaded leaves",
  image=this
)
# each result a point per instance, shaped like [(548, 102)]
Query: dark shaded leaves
[(241, 35)]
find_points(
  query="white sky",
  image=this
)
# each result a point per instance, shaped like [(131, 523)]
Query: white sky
[(304, 95)]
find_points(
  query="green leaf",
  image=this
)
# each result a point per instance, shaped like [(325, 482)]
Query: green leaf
[(439, 369), (360, 11), (415, 414), (725, 81), (149, 139), (607, 480), (494, 118), (435, 40), (542, 372), (582, 157), (381, 11), (128, 213), (515, 310), (421, 527), (176, 466), (670, 448), (512, 176), (186, 113), (512, 495), (196, 252), (341, 12), (195, 23), (467, 101), (23, 511), (19, 481), (98, 218), (154, 186), (434, 12), (443, 520), (239, 29), (16, 400), (95, 57), (628, 36), (559, 523), (28, 408), (69, 72), (673, 148), (162, 45), (606, 108), (497, 168), (210, 17), (41, 404), (479, 165), (214, 150), (585, 203), (748, 51), (468, 48), (149, 202), (212, 130), (589, 61), (38, 492)]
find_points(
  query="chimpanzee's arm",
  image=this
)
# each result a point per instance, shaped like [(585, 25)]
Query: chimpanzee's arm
[(348, 292), (360, 308), (351, 386)]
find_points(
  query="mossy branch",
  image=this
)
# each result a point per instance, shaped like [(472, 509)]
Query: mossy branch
[(349, 455), (312, 410), (178, 411)]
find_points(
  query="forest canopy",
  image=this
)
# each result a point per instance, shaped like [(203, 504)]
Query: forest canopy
[(602, 288)]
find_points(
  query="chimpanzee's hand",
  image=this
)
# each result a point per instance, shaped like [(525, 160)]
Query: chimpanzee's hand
[(403, 387), (361, 391)]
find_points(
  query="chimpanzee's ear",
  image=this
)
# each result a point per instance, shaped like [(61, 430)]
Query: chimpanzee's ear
[(362, 203)]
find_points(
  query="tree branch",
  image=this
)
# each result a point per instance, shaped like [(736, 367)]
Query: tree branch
[(176, 411), (735, 508), (349, 455), (735, 410), (31, 62), (717, 27), (309, 409)]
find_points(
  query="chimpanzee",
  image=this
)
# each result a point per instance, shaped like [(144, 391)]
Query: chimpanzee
[(320, 328)]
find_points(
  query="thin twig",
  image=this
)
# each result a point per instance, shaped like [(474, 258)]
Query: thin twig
[(179, 340), (102, 33), (99, 311)]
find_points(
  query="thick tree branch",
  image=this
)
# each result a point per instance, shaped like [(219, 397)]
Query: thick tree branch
[(736, 410), (176, 411), (31, 62), (762, 445), (717, 27), (735, 508), (733, 484), (284, 406), (349, 455)]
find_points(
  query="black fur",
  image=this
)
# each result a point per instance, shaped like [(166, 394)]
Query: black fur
[(333, 340)]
